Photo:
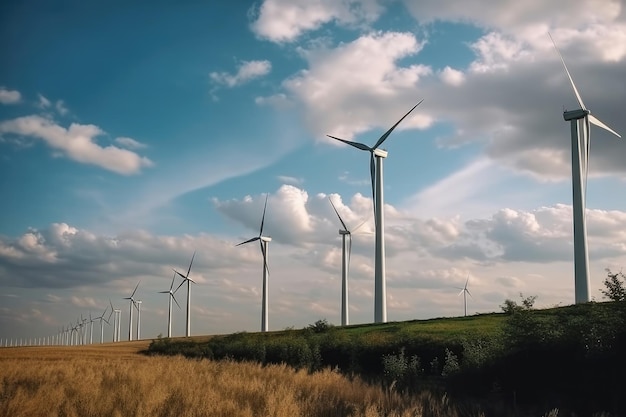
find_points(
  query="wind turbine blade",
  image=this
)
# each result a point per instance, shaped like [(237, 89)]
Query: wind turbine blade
[(387, 133), (191, 263), (174, 298), (164, 292), (359, 226), (460, 292), (357, 145), (247, 241), (580, 100), (470, 294), (181, 284), (137, 286), (263, 218), (466, 282), (594, 120), (264, 257), (173, 279), (337, 213), (110, 302)]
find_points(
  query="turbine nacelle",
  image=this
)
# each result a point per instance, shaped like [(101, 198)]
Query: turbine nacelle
[(380, 153), (344, 232), (265, 238), (575, 114)]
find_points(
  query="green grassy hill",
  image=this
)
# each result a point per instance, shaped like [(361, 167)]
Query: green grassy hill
[(566, 357)]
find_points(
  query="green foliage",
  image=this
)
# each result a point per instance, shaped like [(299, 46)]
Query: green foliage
[(320, 326), (615, 287), (511, 307), (450, 364)]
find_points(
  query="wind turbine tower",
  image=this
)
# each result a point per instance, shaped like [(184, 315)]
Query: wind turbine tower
[(138, 304), (376, 174), (580, 121), (263, 242)]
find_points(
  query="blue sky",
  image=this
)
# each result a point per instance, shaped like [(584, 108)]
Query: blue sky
[(131, 136)]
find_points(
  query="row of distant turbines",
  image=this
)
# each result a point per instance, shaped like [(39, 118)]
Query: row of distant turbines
[(580, 121)]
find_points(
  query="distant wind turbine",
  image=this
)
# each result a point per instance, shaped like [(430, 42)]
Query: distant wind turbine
[(130, 319), (465, 292), (345, 264), (376, 174), (102, 319), (580, 121), (263, 242), (189, 282), (170, 298)]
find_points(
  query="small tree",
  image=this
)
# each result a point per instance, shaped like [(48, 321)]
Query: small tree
[(614, 284)]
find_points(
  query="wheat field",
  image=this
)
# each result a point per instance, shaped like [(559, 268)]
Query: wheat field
[(117, 381)]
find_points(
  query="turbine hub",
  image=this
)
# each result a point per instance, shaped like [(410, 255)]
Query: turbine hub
[(575, 114), (380, 152)]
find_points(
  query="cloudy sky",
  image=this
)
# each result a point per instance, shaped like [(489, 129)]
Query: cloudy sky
[(132, 136)]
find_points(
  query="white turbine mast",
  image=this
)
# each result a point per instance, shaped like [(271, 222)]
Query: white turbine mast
[(376, 174), (138, 306), (130, 319), (189, 281), (170, 297), (580, 121), (263, 242)]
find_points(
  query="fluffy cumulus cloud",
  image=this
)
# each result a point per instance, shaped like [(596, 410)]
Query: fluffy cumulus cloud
[(9, 96), (77, 142), (247, 71), (285, 20), (344, 88)]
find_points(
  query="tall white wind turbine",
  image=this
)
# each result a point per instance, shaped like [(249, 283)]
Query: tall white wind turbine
[(189, 281), (263, 242), (580, 121), (465, 292), (132, 304), (376, 173), (170, 298)]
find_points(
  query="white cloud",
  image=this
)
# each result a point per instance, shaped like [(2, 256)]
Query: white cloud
[(285, 20), (9, 96), (247, 71), (451, 76), (130, 143), (43, 103), (77, 143), (290, 180), (358, 86)]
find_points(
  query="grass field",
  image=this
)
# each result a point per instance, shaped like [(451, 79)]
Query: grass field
[(115, 380)]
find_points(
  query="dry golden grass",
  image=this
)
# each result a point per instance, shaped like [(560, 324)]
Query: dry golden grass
[(113, 380)]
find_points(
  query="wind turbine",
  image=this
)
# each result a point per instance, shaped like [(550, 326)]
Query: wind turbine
[(130, 320), (376, 174), (263, 242), (465, 292), (189, 281), (345, 264), (580, 121), (170, 298), (101, 318)]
